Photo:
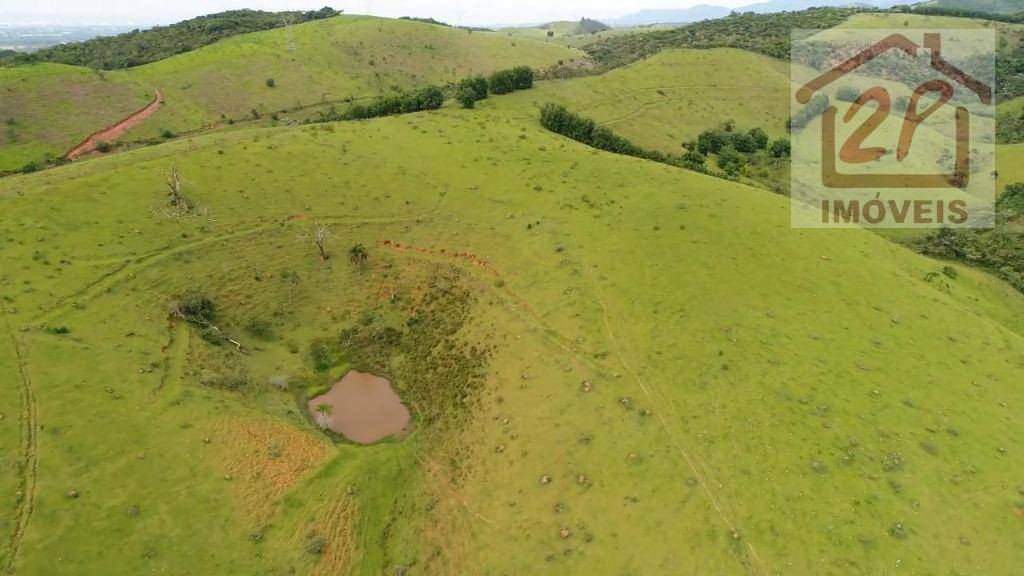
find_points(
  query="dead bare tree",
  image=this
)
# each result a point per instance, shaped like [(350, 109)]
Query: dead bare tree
[(174, 190), (321, 234)]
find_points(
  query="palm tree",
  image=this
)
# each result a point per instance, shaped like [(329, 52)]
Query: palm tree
[(322, 416), (357, 254)]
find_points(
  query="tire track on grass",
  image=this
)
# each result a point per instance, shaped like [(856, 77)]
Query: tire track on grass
[(134, 265), (697, 468), (29, 464)]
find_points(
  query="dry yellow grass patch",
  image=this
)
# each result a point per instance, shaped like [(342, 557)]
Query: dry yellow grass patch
[(264, 459)]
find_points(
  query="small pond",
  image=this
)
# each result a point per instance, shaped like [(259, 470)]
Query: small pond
[(361, 407)]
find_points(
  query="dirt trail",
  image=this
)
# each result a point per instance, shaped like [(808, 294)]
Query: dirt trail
[(115, 131), (29, 463)]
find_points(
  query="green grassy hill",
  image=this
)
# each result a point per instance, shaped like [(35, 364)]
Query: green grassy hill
[(1009, 7), (672, 96), (48, 108), (347, 57), (668, 378)]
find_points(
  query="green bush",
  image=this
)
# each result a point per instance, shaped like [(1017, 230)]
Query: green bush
[(416, 100), (522, 77), (479, 86), (465, 96), (847, 93), (194, 307), (781, 148), (501, 82), (731, 161), (271, 83)]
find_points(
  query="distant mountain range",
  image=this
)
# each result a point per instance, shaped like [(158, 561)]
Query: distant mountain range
[(708, 11)]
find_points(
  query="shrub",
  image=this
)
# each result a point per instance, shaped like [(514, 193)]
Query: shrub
[(847, 93), (759, 137), (781, 148), (465, 96), (1012, 200), (479, 85), (711, 141), (694, 160), (166, 133), (259, 328), (424, 98), (194, 307), (471, 89), (501, 82), (316, 545), (814, 108), (271, 83), (103, 146), (522, 77), (731, 161)]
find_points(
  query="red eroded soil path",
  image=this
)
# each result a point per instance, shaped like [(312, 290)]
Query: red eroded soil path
[(115, 131)]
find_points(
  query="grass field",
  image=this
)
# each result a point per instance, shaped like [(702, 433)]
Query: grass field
[(673, 96), (1015, 106), (324, 61), (329, 60), (565, 33), (1009, 164), (894, 21), (757, 399), (48, 108)]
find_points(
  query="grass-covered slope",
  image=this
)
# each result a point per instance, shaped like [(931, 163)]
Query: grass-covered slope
[(672, 96), (1007, 7), (45, 109), (676, 381), (767, 34), (142, 46), (322, 61), (329, 60)]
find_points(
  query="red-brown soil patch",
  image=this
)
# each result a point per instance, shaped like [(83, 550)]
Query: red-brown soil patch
[(115, 131), (466, 257)]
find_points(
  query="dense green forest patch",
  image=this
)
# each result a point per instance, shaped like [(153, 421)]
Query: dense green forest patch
[(142, 46)]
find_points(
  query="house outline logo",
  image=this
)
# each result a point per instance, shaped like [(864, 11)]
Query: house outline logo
[(852, 153)]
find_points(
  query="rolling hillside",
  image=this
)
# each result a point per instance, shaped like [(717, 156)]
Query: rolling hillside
[(657, 374), (672, 96), (346, 57), (1009, 7), (48, 108), (613, 366)]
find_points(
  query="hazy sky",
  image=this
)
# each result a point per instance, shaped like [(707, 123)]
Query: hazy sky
[(452, 11)]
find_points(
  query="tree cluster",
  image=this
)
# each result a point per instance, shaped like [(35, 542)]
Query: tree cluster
[(416, 100), (814, 108), (999, 250), (471, 89), (735, 148), (505, 81)]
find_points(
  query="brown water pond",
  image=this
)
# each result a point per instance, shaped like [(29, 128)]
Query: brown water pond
[(361, 407)]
